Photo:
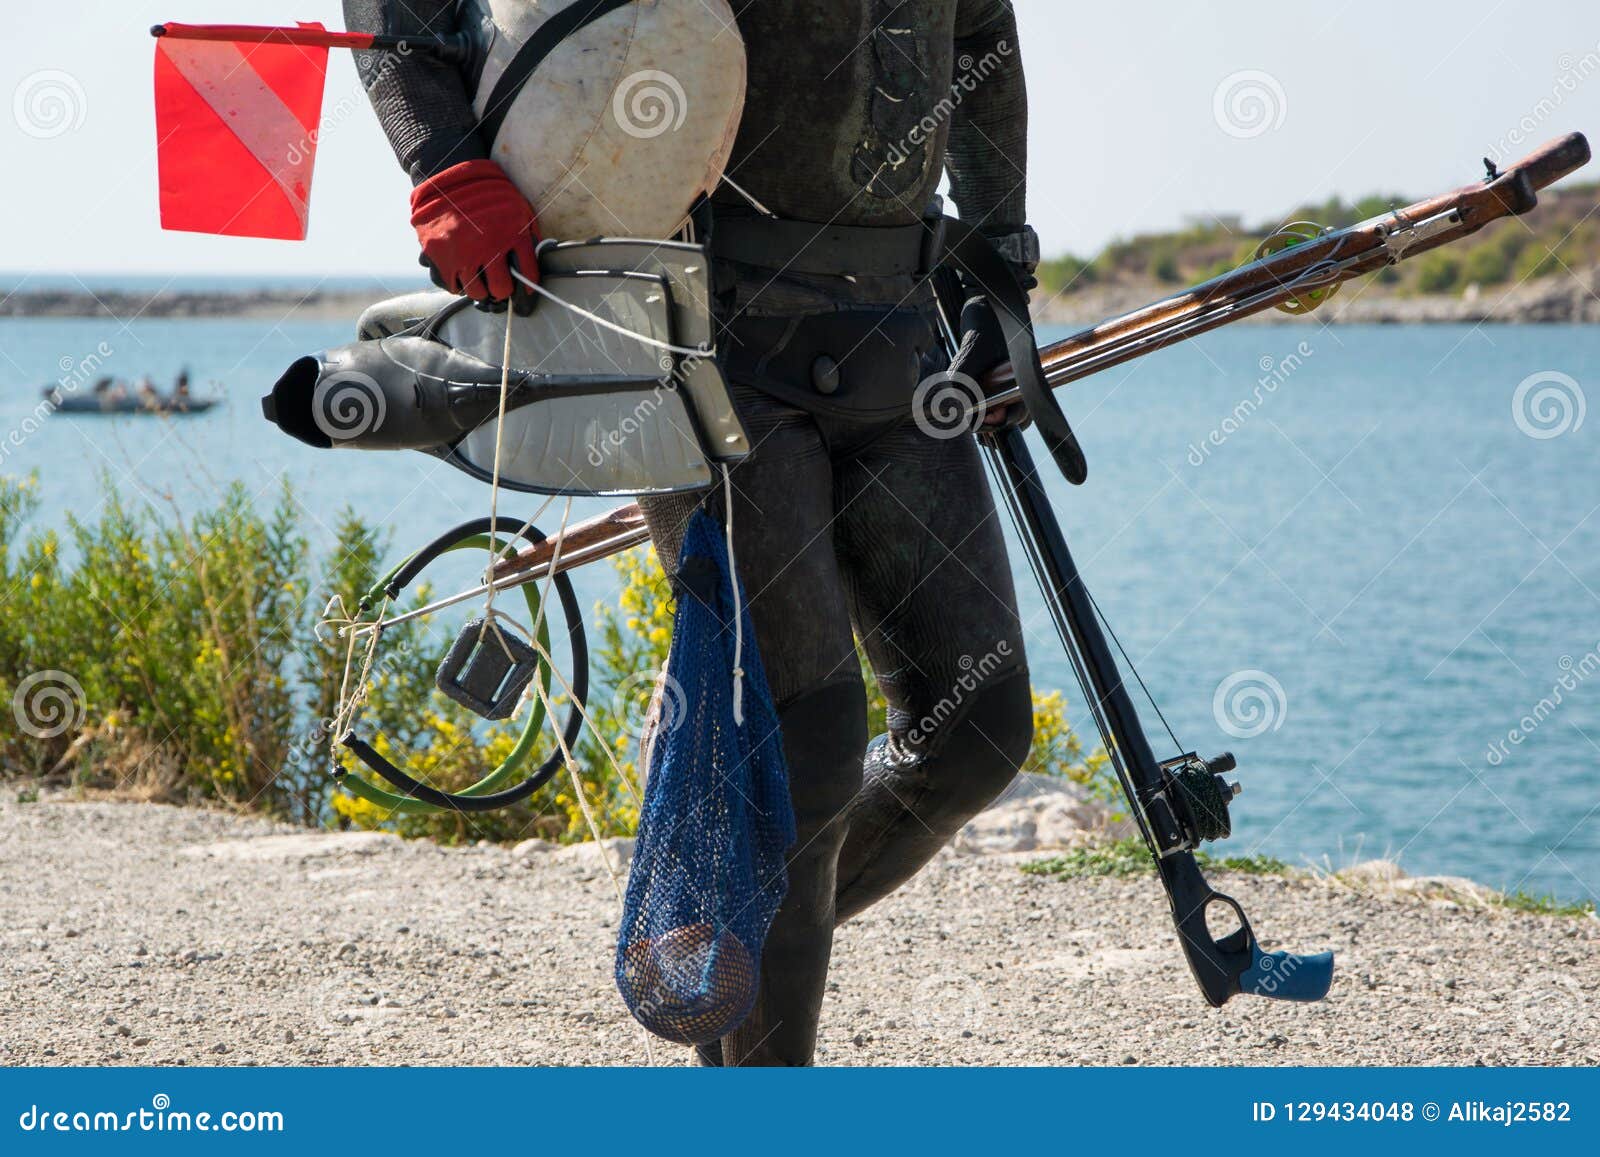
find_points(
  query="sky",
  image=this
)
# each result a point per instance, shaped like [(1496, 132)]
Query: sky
[(1143, 115)]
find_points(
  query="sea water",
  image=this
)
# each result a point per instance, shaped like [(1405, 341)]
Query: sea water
[(1365, 559)]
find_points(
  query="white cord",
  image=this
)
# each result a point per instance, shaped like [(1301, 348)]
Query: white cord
[(738, 607), (748, 196), (653, 343), (494, 480)]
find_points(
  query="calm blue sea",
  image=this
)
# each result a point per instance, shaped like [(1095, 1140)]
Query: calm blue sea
[(1361, 558)]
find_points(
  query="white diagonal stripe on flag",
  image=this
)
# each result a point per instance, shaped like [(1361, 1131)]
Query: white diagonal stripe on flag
[(253, 112)]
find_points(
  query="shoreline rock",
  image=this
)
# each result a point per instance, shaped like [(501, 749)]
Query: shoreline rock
[(1038, 813), (1550, 300), (273, 304)]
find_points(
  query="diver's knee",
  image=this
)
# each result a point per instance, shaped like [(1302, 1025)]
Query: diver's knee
[(987, 744), (1003, 718)]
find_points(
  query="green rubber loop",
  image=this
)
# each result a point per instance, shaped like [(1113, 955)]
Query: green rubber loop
[(1301, 303), (404, 805)]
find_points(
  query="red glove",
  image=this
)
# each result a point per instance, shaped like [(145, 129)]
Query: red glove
[(470, 220)]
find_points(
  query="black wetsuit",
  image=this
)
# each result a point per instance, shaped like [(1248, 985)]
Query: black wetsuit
[(846, 513)]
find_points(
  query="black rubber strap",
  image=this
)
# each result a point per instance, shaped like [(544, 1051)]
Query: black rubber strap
[(578, 692), (815, 248), (545, 39), (974, 257), (440, 546), (407, 785)]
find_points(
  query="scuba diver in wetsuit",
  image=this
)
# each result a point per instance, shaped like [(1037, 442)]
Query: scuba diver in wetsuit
[(850, 517)]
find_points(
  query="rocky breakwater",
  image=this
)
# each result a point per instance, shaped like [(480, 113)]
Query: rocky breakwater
[(267, 304), (1566, 297)]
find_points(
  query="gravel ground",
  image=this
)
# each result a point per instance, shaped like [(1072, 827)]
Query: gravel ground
[(139, 934)]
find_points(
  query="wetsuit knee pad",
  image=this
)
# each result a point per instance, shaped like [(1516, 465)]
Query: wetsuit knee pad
[(824, 737), (974, 756), (1003, 714), (915, 800)]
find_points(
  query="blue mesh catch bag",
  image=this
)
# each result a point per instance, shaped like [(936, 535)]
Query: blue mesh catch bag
[(708, 871)]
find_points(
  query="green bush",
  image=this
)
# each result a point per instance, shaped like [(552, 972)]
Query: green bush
[(1537, 260), (1164, 266), (1485, 264), (159, 662), (194, 665), (1510, 237), (1438, 272), (1065, 274), (1563, 224)]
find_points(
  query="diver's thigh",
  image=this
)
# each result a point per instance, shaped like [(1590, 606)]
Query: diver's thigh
[(925, 567), (783, 524)]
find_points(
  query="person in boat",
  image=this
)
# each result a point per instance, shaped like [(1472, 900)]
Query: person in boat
[(846, 512), (180, 388)]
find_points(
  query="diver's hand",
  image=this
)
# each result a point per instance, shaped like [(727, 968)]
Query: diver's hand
[(474, 225), (983, 348)]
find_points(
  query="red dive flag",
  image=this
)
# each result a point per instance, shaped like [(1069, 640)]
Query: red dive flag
[(237, 111)]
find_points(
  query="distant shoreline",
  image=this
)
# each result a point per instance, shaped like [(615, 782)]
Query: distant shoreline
[(1547, 300), (263, 304), (1553, 300)]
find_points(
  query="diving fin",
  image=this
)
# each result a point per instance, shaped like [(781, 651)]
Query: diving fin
[(1287, 976), (410, 393), (609, 393)]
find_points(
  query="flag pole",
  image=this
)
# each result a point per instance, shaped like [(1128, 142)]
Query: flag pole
[(452, 49)]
